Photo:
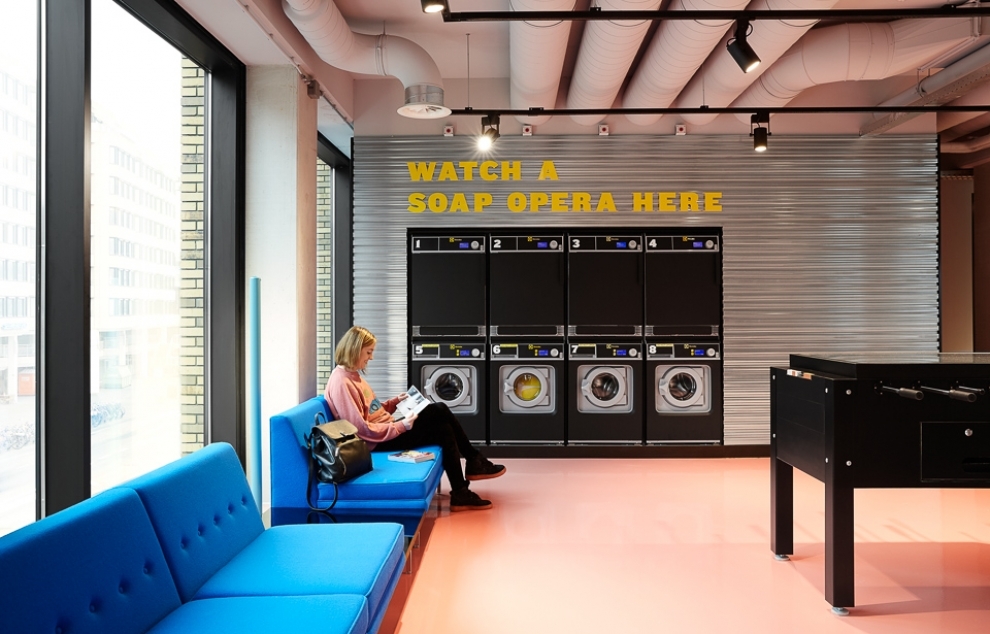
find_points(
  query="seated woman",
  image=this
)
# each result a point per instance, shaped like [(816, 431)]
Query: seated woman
[(351, 398)]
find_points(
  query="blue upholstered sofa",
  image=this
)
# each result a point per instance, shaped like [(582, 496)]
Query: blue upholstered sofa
[(183, 549), (391, 488)]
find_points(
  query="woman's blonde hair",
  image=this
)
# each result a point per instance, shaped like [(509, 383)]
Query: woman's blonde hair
[(349, 347)]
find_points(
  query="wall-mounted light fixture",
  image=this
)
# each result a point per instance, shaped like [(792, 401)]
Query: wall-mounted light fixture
[(489, 132), (760, 133), (740, 49), (435, 6)]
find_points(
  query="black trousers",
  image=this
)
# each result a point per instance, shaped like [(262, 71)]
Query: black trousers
[(437, 425)]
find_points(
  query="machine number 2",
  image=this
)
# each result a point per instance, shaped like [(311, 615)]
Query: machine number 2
[(496, 243)]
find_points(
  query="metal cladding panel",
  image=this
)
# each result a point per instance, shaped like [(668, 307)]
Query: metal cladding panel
[(830, 244)]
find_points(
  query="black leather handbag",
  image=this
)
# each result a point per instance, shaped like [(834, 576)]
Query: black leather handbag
[(337, 454)]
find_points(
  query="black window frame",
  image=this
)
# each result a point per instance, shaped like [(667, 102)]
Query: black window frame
[(63, 253)]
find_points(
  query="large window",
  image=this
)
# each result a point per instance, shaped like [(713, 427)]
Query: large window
[(18, 201), (126, 330), (147, 184)]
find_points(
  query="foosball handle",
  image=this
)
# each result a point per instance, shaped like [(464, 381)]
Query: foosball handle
[(904, 392)]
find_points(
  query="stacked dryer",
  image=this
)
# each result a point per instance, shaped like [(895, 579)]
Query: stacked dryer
[(683, 338), (604, 338), (526, 316), (447, 322)]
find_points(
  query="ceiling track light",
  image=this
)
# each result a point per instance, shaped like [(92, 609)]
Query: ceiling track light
[(435, 6), (740, 49), (489, 132), (760, 133)]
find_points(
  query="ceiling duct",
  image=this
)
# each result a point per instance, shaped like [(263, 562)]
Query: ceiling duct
[(536, 58), (677, 50), (607, 51), (943, 87), (720, 80), (323, 26), (855, 52)]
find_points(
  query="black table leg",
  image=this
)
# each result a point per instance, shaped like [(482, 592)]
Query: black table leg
[(839, 566), (781, 508)]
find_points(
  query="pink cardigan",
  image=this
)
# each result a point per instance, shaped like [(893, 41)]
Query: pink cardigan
[(352, 399)]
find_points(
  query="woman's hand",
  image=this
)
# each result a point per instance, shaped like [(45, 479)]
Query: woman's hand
[(402, 396), (408, 421)]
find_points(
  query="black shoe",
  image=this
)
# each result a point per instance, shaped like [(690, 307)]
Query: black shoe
[(467, 500), (481, 468)]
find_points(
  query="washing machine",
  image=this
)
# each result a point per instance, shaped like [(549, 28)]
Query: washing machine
[(526, 392), (526, 288), (684, 398), (453, 372), (605, 403), (683, 285), (604, 285), (448, 294)]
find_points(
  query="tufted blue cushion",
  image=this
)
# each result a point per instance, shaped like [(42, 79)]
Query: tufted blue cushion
[(360, 559), (340, 614), (94, 567), (390, 485), (203, 512)]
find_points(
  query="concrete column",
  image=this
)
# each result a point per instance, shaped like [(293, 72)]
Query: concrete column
[(281, 236)]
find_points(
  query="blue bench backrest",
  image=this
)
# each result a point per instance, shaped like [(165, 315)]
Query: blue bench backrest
[(94, 567), (289, 457), (203, 512)]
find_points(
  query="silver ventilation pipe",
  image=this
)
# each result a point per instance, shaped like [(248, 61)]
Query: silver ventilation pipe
[(536, 58), (857, 52), (323, 26), (720, 80), (677, 50), (607, 51)]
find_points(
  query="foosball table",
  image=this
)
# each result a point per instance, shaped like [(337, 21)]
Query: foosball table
[(892, 421)]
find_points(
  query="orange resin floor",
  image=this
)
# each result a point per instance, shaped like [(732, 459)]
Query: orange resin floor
[(668, 546)]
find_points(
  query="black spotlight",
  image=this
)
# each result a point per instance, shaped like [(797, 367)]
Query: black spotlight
[(489, 132), (435, 6), (760, 133), (740, 50)]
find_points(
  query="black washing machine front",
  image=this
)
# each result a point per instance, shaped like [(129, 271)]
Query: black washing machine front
[(526, 396), (605, 385), (526, 287), (604, 285), (684, 392), (683, 285), (453, 373), (447, 285)]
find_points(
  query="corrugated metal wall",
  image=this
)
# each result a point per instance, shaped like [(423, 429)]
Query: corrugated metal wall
[(829, 244)]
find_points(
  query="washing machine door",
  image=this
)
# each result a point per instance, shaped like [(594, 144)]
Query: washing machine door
[(605, 387), (683, 388), (450, 385), (527, 388)]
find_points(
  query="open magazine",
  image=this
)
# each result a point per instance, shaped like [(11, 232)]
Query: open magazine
[(411, 455), (414, 403)]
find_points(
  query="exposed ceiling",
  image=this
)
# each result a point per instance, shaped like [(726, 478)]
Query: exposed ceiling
[(656, 64)]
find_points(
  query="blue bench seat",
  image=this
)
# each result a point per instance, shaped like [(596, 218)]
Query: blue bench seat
[(98, 567), (216, 545), (390, 487)]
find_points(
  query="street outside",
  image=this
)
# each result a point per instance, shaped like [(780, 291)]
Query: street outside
[(133, 435)]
